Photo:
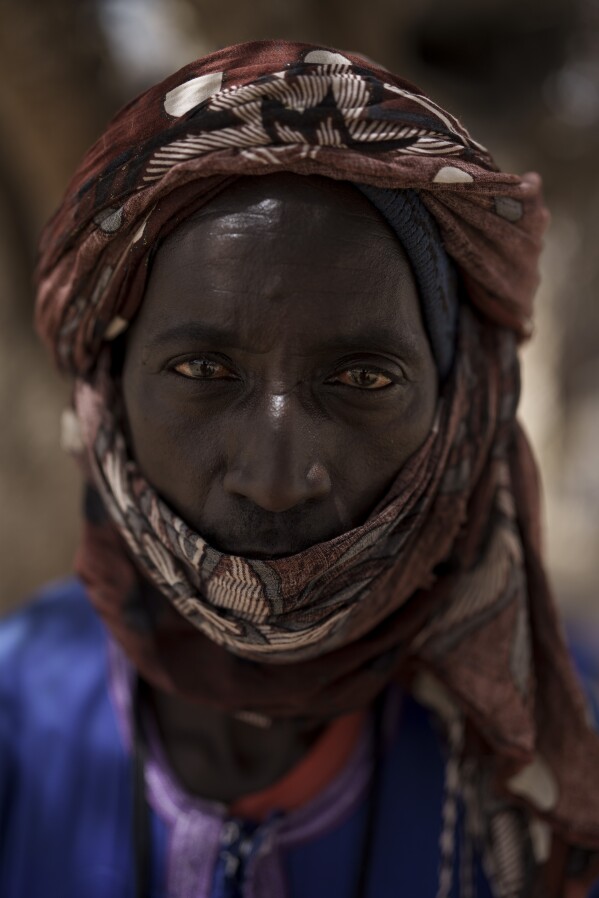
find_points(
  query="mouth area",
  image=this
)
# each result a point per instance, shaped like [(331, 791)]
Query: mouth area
[(246, 533), (271, 545)]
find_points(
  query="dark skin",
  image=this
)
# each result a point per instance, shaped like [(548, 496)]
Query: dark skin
[(276, 378)]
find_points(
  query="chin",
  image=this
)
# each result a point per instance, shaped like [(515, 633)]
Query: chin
[(263, 553)]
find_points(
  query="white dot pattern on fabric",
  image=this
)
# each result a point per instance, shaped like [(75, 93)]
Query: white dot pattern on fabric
[(449, 174), (430, 692), (140, 232), (191, 93), (509, 208), (540, 834), (325, 57), (537, 784), (115, 328), (71, 440), (109, 220)]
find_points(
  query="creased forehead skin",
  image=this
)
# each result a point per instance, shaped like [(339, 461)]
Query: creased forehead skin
[(259, 108)]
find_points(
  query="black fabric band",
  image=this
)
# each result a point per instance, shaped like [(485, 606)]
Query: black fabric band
[(435, 274), (142, 845)]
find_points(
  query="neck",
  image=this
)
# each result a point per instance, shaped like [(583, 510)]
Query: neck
[(222, 758)]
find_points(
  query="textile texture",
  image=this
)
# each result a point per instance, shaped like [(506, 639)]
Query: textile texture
[(445, 579)]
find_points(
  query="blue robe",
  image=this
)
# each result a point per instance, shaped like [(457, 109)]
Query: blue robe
[(66, 786)]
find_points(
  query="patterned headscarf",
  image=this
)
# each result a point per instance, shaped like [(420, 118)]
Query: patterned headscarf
[(444, 582)]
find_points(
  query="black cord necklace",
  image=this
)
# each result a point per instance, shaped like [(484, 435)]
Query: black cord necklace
[(141, 812), (142, 837)]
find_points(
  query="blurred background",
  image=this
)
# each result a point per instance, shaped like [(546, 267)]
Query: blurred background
[(522, 74)]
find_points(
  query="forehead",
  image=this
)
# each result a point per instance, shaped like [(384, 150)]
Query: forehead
[(291, 210), (283, 252)]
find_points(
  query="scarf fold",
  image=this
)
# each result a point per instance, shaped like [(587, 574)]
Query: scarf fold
[(445, 579)]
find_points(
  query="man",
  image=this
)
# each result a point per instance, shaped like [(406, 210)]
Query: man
[(289, 288)]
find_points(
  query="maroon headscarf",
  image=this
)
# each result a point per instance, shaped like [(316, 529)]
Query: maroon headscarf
[(444, 583)]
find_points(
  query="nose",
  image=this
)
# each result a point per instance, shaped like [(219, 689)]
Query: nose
[(276, 463)]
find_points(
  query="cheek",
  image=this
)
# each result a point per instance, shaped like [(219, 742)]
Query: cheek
[(178, 449), (412, 428), (369, 456)]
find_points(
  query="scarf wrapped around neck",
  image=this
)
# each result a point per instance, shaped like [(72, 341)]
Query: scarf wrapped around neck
[(444, 583)]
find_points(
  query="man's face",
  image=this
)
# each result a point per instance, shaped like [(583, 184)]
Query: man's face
[(278, 374)]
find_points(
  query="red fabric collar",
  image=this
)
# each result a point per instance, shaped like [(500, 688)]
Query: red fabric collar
[(308, 778)]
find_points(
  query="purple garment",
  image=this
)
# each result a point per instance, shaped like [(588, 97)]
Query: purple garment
[(193, 821)]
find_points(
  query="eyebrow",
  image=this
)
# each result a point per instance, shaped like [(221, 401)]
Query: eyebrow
[(194, 330), (373, 336)]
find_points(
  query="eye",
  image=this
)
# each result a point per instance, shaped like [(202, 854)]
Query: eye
[(204, 369), (363, 378)]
